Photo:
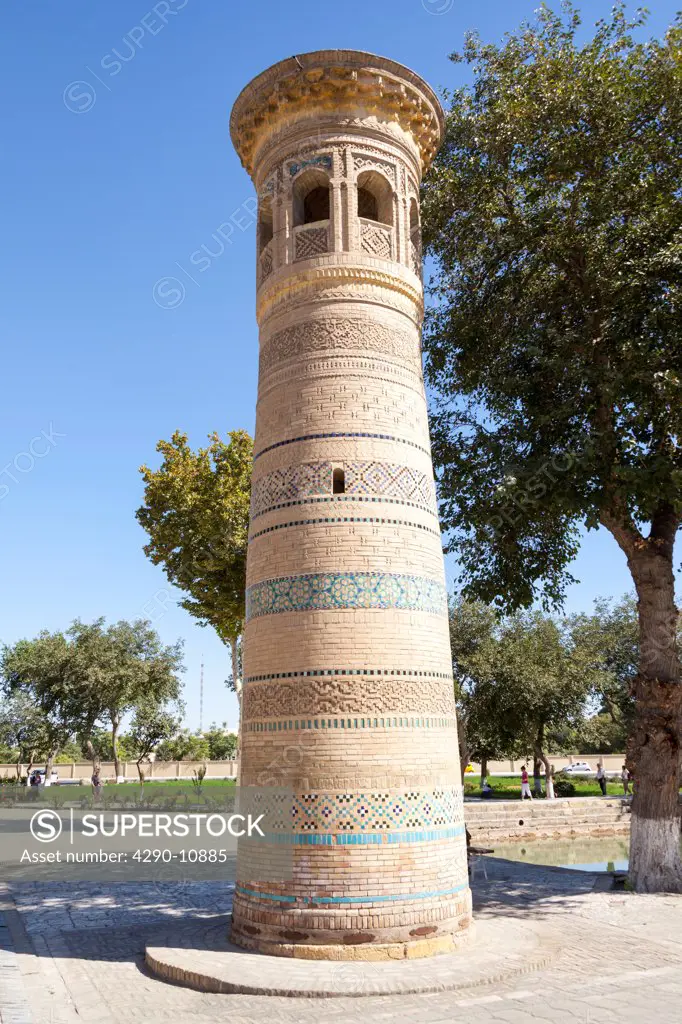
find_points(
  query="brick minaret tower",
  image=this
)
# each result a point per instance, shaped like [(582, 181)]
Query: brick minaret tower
[(348, 695)]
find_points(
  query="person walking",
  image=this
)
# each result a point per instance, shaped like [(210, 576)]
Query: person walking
[(525, 785), (96, 784), (601, 778), (625, 779)]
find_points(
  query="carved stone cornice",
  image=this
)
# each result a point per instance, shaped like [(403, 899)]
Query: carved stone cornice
[(343, 81), (340, 282)]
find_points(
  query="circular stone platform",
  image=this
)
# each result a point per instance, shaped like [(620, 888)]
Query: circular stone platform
[(202, 959)]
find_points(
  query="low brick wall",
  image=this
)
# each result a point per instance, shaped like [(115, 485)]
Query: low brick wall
[(504, 821), (155, 770)]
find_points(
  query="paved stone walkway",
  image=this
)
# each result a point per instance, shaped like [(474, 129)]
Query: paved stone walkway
[(74, 955)]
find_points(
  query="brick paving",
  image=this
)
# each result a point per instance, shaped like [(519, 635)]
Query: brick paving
[(73, 954)]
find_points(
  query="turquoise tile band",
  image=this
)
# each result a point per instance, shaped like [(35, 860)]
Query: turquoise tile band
[(346, 590), (424, 835), (383, 898)]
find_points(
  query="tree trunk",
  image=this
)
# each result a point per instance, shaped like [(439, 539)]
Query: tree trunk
[(48, 766), (537, 780), (115, 723), (539, 757), (29, 769), (484, 768), (654, 743), (93, 756), (139, 770)]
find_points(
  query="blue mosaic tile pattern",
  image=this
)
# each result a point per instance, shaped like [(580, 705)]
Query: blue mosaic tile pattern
[(380, 479), (383, 898), (346, 590), (391, 816), (316, 161), (375, 811), (291, 482), (342, 434)]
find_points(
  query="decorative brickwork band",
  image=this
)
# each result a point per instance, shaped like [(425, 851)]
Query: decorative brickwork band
[(343, 436), (340, 498), (404, 697), (339, 520), (340, 335), (368, 722), (346, 590), (385, 479)]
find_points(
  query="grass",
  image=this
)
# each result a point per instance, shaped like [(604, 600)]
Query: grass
[(508, 787), (174, 791)]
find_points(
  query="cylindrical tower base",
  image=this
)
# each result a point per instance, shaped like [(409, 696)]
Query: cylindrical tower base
[(348, 693)]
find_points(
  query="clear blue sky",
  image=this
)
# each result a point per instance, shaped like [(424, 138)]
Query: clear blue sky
[(115, 168)]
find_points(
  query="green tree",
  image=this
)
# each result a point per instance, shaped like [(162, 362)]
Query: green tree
[(100, 742), (184, 746), (609, 640), (152, 725), (196, 513), (521, 679), (473, 644), (600, 734), (123, 666), (42, 671), (540, 683), (554, 349), (23, 730), (222, 745)]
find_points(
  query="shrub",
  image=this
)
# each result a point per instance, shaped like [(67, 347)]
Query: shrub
[(563, 787)]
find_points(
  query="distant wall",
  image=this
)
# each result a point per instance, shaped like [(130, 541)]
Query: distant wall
[(155, 770), (612, 763)]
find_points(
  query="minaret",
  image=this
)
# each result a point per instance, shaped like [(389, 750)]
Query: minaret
[(348, 692)]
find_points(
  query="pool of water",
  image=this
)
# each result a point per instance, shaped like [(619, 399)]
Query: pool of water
[(607, 854)]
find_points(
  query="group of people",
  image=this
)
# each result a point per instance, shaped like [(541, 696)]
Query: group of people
[(625, 776)]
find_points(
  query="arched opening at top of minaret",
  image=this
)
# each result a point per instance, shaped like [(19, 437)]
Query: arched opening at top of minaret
[(375, 198), (338, 482), (414, 221), (264, 223), (311, 197)]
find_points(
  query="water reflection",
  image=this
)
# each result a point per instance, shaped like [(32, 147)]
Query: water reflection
[(607, 854)]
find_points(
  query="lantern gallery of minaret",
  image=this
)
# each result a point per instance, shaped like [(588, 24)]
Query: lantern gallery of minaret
[(347, 672)]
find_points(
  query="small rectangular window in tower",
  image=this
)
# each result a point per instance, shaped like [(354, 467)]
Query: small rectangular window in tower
[(338, 482)]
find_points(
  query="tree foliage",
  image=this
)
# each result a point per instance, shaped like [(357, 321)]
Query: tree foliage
[(184, 746), (122, 667), (40, 673), (23, 731), (153, 723), (554, 347), (520, 679), (609, 638), (196, 513), (69, 684)]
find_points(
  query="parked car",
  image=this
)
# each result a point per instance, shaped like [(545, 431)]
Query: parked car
[(577, 768), (38, 776)]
